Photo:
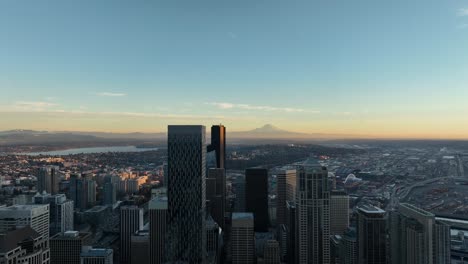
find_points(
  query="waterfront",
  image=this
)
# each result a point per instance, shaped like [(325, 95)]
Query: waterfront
[(90, 150)]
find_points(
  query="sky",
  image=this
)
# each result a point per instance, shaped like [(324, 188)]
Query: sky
[(391, 69)]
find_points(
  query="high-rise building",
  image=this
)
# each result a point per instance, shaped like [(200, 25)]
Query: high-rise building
[(24, 245), (242, 238), (157, 220), (416, 236), (131, 220), (239, 186), (218, 144), (35, 216), (110, 191), (284, 194), (216, 194), (91, 195), (97, 256), (48, 179), (65, 248), (83, 190), (256, 197), (371, 235), (291, 232), (312, 213), (140, 247), (339, 212), (61, 211), (186, 194)]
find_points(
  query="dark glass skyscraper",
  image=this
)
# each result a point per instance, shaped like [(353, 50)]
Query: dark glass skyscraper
[(186, 193), (218, 145), (371, 235), (256, 197)]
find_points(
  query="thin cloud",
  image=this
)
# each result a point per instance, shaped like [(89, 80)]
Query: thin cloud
[(224, 105), (462, 12), (111, 94), (36, 106), (463, 26), (81, 113)]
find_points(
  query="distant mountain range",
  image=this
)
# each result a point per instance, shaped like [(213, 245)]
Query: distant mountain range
[(268, 132)]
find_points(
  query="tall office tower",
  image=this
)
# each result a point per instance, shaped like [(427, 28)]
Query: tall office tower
[(97, 256), (312, 213), (242, 238), (371, 235), (79, 191), (140, 247), (35, 216), (216, 194), (414, 236), (157, 219), (239, 185), (48, 179), (186, 149), (65, 248), (131, 220), (91, 186), (61, 211), (339, 212), (132, 186), (285, 194), (218, 144), (110, 191), (256, 197), (24, 246), (271, 252), (291, 232)]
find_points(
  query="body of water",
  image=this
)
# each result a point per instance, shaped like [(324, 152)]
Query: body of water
[(90, 150)]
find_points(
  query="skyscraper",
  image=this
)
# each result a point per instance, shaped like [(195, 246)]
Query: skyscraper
[(110, 191), (157, 219), (186, 150), (35, 216), (216, 194), (312, 213), (61, 211), (48, 179), (371, 235), (79, 191), (415, 236), (239, 186), (243, 238), (131, 220), (256, 197), (218, 144), (339, 212), (282, 191), (91, 194)]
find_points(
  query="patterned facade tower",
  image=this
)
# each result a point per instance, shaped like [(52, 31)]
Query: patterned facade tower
[(313, 214), (186, 191)]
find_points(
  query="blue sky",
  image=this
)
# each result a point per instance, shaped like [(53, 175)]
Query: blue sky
[(380, 68)]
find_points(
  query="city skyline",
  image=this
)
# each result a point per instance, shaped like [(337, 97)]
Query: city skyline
[(382, 70)]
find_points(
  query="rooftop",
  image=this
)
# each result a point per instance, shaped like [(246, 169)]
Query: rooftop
[(239, 216), (370, 209)]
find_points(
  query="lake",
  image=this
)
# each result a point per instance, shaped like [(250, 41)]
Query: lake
[(90, 150)]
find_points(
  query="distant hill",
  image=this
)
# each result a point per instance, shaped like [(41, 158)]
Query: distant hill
[(269, 131)]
